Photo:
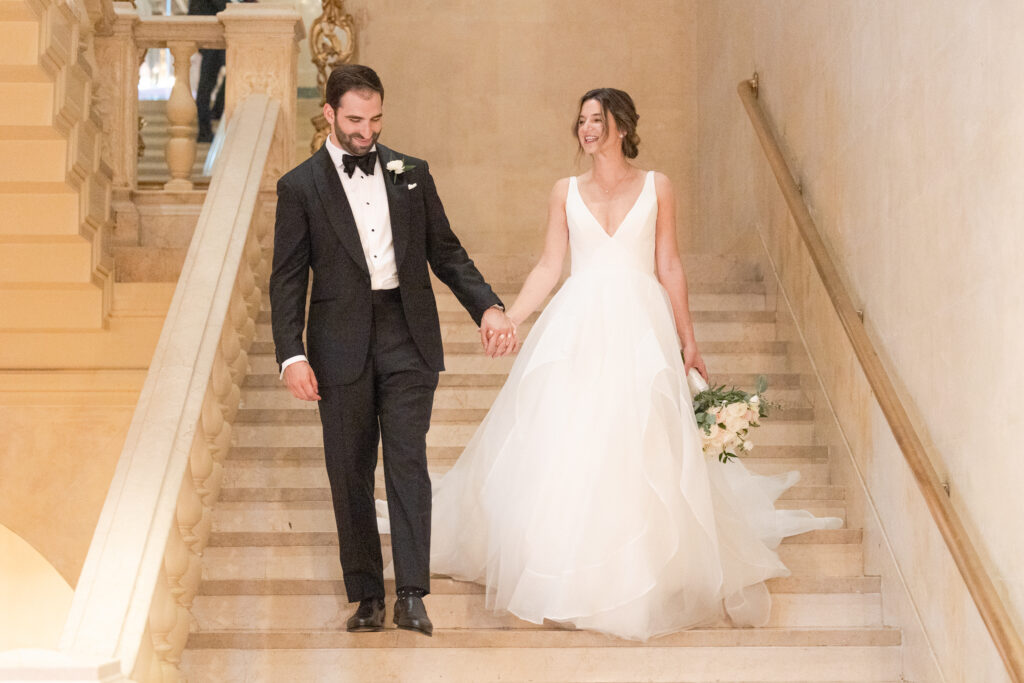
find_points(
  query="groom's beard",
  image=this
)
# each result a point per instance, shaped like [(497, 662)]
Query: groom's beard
[(350, 145)]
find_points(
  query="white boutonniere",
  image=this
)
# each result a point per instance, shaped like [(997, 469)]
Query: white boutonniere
[(397, 167)]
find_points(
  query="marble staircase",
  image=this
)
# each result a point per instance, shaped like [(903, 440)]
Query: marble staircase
[(271, 605), (54, 187)]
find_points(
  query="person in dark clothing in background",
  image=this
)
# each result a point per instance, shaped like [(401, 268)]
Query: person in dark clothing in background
[(209, 70)]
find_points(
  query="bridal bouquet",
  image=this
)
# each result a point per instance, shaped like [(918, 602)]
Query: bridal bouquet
[(725, 416)]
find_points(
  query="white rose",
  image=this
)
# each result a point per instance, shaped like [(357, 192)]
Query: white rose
[(748, 445), (735, 410), (396, 166), (736, 424), (754, 399)]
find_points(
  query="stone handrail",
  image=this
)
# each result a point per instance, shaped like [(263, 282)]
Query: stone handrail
[(990, 606), (132, 602)]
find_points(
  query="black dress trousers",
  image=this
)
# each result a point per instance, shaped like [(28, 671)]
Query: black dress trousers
[(391, 400)]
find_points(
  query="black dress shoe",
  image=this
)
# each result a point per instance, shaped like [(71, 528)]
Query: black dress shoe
[(369, 616), (411, 615)]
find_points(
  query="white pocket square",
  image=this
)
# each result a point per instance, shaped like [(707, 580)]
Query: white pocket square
[(412, 186)]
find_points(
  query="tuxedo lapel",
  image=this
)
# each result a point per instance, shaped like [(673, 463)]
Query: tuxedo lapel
[(339, 211), (397, 203)]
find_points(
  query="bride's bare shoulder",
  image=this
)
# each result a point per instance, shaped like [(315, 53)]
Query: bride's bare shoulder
[(561, 189), (662, 185)]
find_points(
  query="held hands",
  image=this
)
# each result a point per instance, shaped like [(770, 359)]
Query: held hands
[(692, 359), (498, 333), (301, 381)]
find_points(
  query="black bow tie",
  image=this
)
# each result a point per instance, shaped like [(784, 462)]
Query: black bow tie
[(365, 163)]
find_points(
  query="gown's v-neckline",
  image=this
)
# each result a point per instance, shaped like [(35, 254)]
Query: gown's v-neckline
[(611, 235)]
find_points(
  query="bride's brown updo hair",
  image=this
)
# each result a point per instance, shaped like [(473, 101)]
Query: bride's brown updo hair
[(619, 105)]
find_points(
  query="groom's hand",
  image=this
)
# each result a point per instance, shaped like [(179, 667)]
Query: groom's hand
[(301, 381), (497, 333)]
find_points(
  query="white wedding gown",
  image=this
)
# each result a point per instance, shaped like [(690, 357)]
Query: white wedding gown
[(584, 496)]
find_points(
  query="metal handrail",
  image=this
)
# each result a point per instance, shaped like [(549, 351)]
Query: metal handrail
[(991, 607)]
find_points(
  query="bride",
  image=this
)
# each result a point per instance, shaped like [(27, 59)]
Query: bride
[(584, 497)]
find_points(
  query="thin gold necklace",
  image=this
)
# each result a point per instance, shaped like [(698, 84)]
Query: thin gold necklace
[(616, 184)]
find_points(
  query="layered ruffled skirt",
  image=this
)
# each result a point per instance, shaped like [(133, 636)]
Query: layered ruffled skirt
[(584, 496)]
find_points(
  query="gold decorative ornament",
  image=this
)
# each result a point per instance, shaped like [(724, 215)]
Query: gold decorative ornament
[(332, 42)]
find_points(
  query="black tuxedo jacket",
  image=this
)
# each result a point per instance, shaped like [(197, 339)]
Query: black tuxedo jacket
[(315, 230)]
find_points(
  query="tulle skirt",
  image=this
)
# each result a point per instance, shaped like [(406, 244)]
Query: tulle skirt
[(584, 496)]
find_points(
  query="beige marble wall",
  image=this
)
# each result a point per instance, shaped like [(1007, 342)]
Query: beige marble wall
[(904, 123), (63, 432), (486, 92)]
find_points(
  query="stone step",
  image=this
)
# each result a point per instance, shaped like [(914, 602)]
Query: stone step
[(276, 396), (244, 482), (544, 656), (475, 361), (453, 318), (317, 516), (275, 555), (711, 347), (745, 380), (309, 473), (330, 538), (704, 331), (46, 259), (53, 306), (714, 294), (311, 415), (20, 202), (836, 554), (457, 433), (314, 455), (35, 102), (33, 154), (306, 480), (443, 585), (19, 40), (468, 611)]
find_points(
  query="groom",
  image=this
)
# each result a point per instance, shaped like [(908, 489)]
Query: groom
[(367, 221)]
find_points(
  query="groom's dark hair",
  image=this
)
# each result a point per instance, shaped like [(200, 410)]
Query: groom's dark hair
[(351, 77)]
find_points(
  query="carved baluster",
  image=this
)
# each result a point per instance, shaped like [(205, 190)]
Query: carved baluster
[(168, 626), (183, 568), (147, 664), (193, 517), (181, 114)]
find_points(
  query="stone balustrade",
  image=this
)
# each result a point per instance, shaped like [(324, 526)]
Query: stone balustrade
[(262, 52)]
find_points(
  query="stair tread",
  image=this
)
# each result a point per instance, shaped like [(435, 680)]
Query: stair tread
[(298, 416), (315, 454), (545, 638), (778, 380), (330, 538), (441, 585)]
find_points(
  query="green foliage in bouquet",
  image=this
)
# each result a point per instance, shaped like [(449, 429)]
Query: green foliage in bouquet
[(725, 415)]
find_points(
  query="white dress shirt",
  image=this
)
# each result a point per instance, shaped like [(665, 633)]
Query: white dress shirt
[(368, 197)]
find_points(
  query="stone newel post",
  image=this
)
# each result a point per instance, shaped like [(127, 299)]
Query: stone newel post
[(262, 57)]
